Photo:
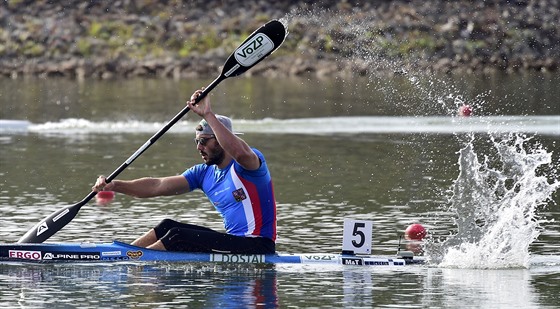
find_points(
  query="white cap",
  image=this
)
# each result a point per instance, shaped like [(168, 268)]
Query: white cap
[(204, 128)]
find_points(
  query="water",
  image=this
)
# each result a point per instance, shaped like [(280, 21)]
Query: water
[(448, 172), (390, 149), (203, 286)]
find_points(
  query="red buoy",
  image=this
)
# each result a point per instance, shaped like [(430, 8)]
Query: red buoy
[(415, 232), (465, 110), (104, 197)]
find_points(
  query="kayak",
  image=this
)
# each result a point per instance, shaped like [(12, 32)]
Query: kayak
[(117, 251)]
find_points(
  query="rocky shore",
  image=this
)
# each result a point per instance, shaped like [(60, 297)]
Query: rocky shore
[(183, 39)]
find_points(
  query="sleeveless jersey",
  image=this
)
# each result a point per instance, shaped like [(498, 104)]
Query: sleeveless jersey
[(244, 199)]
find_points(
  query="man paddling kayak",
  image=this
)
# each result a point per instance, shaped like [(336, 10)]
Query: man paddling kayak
[(234, 177)]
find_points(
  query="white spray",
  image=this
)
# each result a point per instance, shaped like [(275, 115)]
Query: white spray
[(495, 203)]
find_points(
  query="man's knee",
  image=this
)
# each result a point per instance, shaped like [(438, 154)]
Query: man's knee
[(163, 227)]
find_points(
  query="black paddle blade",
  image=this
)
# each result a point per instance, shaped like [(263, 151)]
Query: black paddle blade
[(255, 48), (51, 224)]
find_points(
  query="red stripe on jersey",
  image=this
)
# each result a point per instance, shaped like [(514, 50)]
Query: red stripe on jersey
[(255, 205), (274, 203)]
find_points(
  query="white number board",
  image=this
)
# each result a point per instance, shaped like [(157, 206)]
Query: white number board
[(356, 236)]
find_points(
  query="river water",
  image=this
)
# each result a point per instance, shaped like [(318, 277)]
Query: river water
[(390, 149)]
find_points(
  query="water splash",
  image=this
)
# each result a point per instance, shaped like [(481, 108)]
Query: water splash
[(496, 201)]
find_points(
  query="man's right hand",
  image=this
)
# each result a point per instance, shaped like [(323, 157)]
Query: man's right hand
[(203, 107)]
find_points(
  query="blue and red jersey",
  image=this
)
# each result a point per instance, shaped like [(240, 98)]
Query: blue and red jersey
[(244, 199)]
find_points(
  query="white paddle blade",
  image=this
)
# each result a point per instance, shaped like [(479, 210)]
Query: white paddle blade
[(255, 48)]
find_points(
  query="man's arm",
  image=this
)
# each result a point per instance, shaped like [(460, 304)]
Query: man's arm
[(145, 187), (237, 148)]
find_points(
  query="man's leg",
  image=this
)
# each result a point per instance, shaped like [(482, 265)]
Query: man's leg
[(158, 245), (146, 240), (206, 240), (151, 238)]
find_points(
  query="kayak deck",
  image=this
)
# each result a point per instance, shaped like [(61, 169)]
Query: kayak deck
[(119, 251)]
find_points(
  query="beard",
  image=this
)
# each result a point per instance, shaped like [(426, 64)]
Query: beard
[(216, 157)]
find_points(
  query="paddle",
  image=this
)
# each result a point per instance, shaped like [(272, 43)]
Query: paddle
[(255, 48)]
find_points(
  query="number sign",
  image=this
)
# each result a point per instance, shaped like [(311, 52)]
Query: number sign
[(356, 236)]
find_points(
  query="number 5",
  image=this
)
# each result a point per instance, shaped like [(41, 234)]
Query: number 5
[(360, 234)]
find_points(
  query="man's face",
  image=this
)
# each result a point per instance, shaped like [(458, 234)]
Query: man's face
[(209, 149)]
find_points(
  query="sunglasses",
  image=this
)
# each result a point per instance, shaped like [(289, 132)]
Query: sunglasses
[(203, 140)]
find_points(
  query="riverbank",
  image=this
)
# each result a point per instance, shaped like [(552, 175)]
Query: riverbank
[(171, 39)]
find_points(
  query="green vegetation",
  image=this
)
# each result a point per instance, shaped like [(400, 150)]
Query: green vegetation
[(128, 32), (415, 43)]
